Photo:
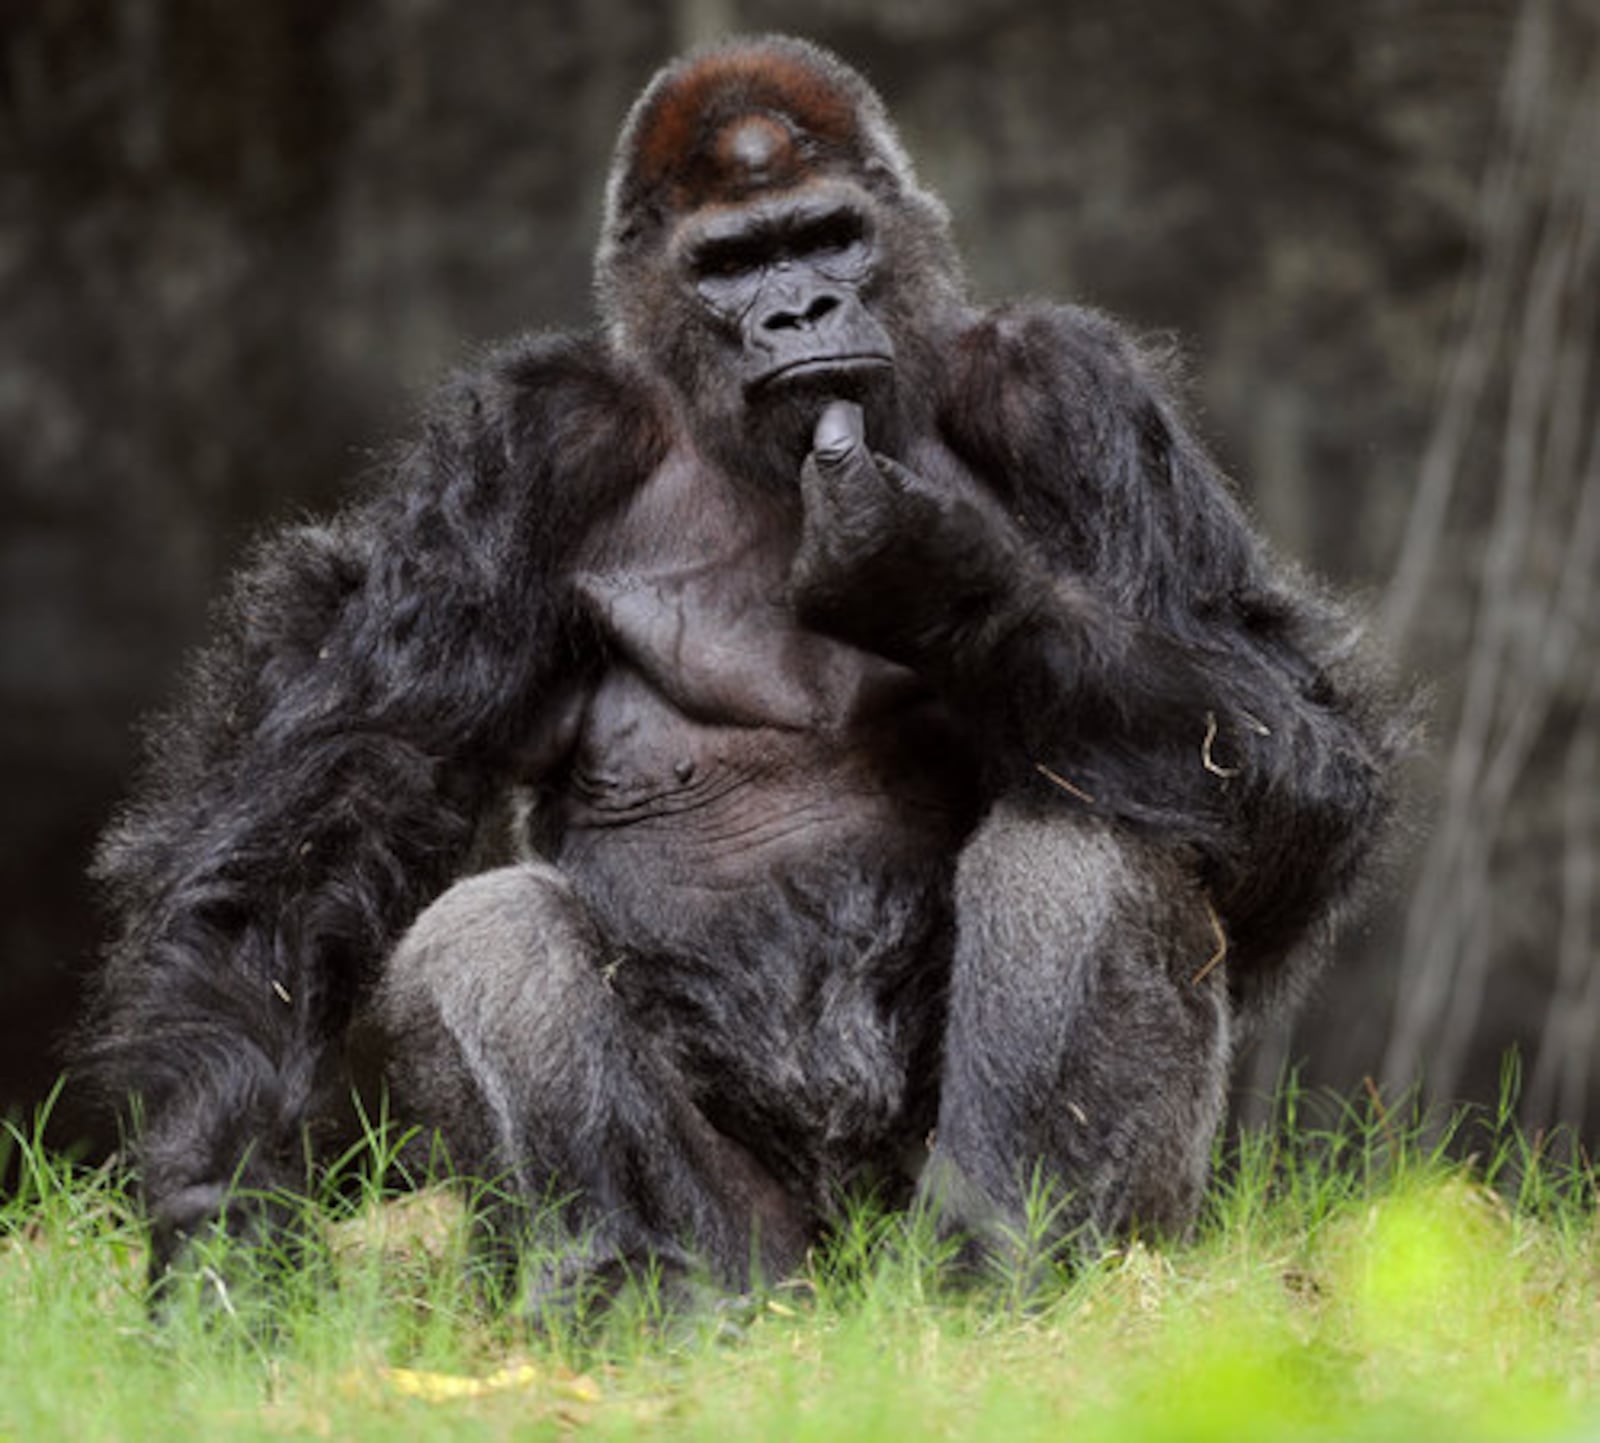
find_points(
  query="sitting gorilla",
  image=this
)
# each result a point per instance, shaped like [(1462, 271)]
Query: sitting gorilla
[(917, 770)]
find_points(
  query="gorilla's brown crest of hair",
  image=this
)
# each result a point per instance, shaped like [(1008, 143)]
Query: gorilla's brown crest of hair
[(671, 156), (680, 159)]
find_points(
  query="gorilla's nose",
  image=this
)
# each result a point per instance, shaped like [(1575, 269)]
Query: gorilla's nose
[(800, 315)]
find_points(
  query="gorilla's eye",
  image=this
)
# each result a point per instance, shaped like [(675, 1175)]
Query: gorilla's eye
[(726, 260), (832, 235), (838, 245)]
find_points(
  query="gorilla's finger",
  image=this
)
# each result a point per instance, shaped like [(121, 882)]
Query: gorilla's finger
[(840, 434), (839, 478), (899, 478)]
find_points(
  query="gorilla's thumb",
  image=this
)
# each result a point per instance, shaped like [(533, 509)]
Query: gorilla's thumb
[(839, 435)]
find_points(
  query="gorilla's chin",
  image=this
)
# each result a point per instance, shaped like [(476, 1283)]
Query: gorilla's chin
[(783, 418)]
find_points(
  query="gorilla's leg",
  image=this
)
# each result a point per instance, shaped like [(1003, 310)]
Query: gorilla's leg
[(503, 1034), (1087, 1043)]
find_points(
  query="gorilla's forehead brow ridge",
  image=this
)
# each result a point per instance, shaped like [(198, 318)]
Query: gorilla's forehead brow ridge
[(775, 214)]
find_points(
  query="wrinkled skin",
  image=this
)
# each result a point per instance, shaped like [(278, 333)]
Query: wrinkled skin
[(920, 771)]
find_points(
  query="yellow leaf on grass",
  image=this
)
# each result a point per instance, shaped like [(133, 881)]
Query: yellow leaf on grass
[(443, 1387)]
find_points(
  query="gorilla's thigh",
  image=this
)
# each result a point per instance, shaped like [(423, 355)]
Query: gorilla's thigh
[(1087, 1042), (502, 1032), (496, 1018)]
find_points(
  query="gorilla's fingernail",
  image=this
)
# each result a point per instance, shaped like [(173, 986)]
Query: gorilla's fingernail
[(838, 431)]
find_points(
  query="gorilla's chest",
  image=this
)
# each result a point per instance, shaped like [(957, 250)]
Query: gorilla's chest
[(721, 742), (690, 592)]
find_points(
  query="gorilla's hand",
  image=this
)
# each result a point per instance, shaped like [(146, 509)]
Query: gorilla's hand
[(918, 568), (233, 1249), (906, 565)]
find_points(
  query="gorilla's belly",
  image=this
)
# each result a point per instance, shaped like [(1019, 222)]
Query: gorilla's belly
[(666, 819), (775, 902)]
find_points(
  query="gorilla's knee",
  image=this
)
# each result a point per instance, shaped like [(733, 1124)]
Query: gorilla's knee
[(1088, 1036), (1035, 881), (508, 920), (505, 1038), (486, 1007)]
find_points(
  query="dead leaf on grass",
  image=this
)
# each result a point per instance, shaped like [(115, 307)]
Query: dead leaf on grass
[(556, 1384)]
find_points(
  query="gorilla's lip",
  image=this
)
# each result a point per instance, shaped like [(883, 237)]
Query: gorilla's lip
[(826, 367)]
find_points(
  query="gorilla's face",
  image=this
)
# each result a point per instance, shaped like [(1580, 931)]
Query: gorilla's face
[(785, 283), (767, 250), (780, 297), (772, 306)]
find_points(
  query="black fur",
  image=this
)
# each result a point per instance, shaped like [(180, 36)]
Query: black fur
[(953, 762), (323, 777)]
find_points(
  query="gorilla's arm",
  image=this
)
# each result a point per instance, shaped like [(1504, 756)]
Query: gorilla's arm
[(1104, 614), (325, 771)]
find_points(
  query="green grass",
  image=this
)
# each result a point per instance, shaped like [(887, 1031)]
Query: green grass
[(1349, 1281)]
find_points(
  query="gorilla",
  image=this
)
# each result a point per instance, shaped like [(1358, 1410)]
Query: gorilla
[(810, 733)]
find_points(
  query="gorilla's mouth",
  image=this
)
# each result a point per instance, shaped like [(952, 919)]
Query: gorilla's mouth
[(810, 370)]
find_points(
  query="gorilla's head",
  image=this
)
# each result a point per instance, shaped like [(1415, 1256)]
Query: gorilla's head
[(767, 247)]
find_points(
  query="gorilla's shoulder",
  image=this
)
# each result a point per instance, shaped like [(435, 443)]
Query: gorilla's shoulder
[(1043, 348), (558, 401), (1050, 397)]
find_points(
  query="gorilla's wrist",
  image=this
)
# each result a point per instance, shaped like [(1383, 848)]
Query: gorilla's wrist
[(988, 633)]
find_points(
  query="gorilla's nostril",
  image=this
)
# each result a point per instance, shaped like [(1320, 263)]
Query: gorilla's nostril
[(801, 317)]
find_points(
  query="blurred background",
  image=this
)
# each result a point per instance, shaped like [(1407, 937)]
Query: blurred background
[(239, 242)]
